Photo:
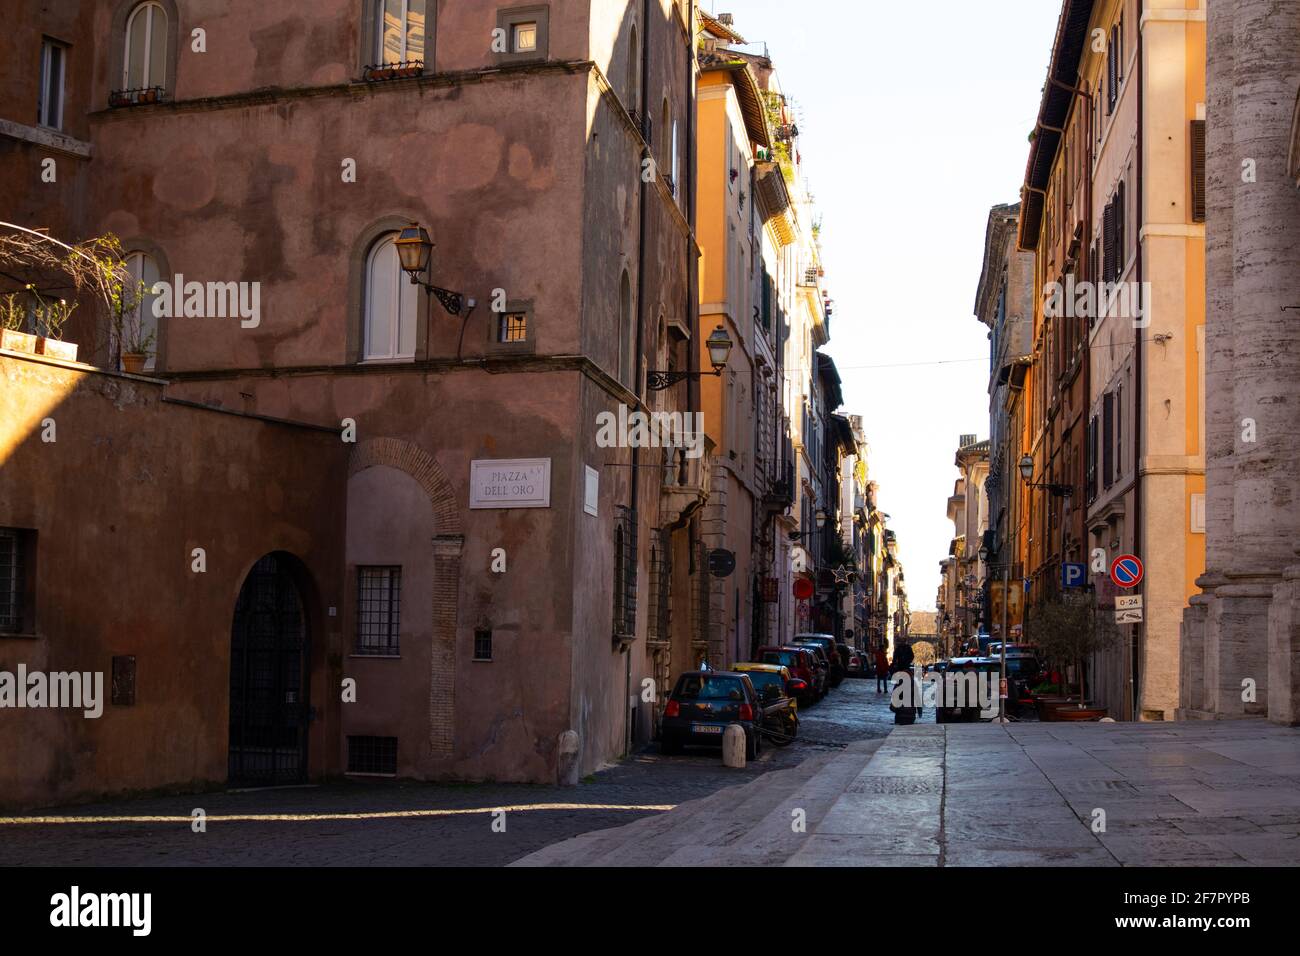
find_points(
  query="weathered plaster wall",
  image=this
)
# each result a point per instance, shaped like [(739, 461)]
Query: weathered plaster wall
[(118, 501)]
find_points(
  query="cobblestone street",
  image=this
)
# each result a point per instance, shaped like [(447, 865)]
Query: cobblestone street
[(412, 824)]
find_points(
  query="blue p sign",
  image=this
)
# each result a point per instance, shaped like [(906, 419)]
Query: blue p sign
[(1073, 575)]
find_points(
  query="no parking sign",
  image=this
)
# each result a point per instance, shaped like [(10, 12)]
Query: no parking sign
[(1127, 571)]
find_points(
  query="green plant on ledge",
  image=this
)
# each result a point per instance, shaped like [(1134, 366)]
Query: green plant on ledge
[(28, 311)]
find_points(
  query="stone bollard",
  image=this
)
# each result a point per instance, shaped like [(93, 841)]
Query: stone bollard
[(567, 763), (733, 746)]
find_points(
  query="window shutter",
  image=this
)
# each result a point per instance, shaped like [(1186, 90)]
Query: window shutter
[(1119, 52), (1112, 74), (1092, 458), (767, 301), (1108, 439), (1108, 242), (1119, 432), (1198, 170), (1121, 240)]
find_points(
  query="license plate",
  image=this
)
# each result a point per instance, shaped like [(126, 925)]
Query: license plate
[(705, 729)]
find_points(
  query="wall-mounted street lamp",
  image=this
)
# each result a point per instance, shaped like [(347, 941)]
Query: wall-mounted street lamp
[(413, 249), (1027, 473), (821, 523), (719, 346)]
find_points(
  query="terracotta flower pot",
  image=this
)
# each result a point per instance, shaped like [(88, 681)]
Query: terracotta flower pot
[(133, 362), (1073, 713), (18, 341), (66, 351)]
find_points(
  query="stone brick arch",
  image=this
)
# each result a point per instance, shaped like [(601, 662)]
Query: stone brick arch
[(447, 543)]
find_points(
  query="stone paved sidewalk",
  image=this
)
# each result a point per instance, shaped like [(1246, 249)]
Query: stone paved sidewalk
[(1196, 793)]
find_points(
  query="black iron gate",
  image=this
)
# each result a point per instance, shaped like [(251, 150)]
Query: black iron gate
[(268, 662)]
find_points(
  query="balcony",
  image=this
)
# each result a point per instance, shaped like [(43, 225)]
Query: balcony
[(685, 486), (780, 494), (137, 97), (378, 72)]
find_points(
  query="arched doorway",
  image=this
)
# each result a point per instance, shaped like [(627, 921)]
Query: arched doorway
[(268, 675)]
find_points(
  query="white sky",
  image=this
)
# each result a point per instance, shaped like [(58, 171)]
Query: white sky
[(914, 119)]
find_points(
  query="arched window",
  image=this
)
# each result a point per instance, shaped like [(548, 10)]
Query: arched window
[(634, 72), (674, 158), (391, 301), (139, 327), (626, 333), (144, 60)]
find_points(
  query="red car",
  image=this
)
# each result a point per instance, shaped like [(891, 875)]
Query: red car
[(801, 664)]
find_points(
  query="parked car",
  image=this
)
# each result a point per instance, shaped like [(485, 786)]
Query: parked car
[(823, 663), (849, 657), (701, 706), (776, 689), (1024, 672), (827, 644), (802, 663), (945, 711)]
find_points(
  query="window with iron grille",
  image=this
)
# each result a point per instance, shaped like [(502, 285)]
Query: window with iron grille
[(12, 580), (379, 602), (512, 327), (1198, 170), (660, 584), (625, 572), (372, 755), (482, 644)]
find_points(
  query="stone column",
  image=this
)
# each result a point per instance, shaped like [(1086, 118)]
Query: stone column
[(1199, 642), (1253, 363)]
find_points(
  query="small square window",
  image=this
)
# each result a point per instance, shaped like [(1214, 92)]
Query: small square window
[(482, 644), (525, 31), (372, 755), (511, 331), (525, 38), (512, 327)]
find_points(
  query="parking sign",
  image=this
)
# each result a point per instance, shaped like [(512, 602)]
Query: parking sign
[(1073, 575)]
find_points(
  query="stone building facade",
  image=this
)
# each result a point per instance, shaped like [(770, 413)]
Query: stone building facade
[(289, 152)]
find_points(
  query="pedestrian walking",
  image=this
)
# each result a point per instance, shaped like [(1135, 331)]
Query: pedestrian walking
[(882, 669), (902, 663)]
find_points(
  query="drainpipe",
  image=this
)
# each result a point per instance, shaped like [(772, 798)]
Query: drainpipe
[(638, 364), (1139, 630), (692, 304)]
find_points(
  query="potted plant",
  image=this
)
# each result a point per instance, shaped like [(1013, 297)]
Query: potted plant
[(13, 319), (28, 309), (134, 338), (1069, 628)]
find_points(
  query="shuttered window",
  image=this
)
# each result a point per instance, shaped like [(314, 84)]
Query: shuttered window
[(1119, 432), (1092, 459), (1108, 440), (1198, 170), (1108, 242), (1112, 74), (1121, 239)]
